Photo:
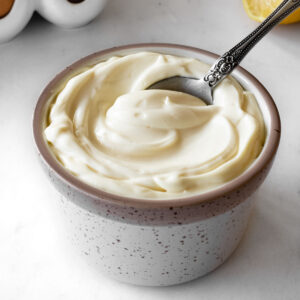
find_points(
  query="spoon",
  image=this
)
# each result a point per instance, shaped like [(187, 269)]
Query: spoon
[(203, 87)]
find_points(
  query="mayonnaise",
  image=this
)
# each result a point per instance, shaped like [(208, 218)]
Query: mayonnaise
[(107, 129)]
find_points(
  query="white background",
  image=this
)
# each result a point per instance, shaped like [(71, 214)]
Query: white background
[(35, 263)]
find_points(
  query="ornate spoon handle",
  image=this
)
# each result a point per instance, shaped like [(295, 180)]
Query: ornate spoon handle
[(227, 62)]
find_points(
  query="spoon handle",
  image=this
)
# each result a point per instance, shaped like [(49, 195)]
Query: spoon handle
[(227, 62)]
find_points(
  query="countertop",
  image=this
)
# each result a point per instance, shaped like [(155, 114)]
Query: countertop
[(35, 262)]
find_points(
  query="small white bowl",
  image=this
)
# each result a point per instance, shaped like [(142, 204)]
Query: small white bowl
[(152, 242), (64, 13)]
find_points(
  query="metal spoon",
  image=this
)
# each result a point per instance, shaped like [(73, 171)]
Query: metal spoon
[(202, 88)]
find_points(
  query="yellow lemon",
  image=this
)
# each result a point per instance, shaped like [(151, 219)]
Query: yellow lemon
[(258, 10)]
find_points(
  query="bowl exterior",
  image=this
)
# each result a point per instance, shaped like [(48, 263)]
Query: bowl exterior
[(155, 255), (155, 246)]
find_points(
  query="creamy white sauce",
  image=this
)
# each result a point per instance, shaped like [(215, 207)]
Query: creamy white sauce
[(113, 134)]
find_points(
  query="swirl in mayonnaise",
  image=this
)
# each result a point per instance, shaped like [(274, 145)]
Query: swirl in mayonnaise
[(107, 129)]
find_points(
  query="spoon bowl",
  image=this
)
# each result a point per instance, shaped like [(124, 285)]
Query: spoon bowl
[(193, 86)]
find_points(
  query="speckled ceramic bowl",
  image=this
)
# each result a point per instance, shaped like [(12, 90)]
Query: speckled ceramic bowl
[(152, 242)]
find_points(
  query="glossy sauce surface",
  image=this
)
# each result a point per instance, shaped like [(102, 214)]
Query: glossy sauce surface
[(112, 133)]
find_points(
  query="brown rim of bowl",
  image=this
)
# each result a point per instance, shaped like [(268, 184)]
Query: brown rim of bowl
[(265, 157)]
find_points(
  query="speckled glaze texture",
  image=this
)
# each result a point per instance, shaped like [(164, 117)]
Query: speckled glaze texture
[(155, 255), (152, 242)]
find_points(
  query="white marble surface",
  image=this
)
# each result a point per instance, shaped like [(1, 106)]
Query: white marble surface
[(35, 262)]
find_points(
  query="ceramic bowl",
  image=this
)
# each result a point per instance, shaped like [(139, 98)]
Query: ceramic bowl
[(152, 242)]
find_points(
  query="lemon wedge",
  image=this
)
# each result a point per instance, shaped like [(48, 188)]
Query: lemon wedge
[(258, 10)]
